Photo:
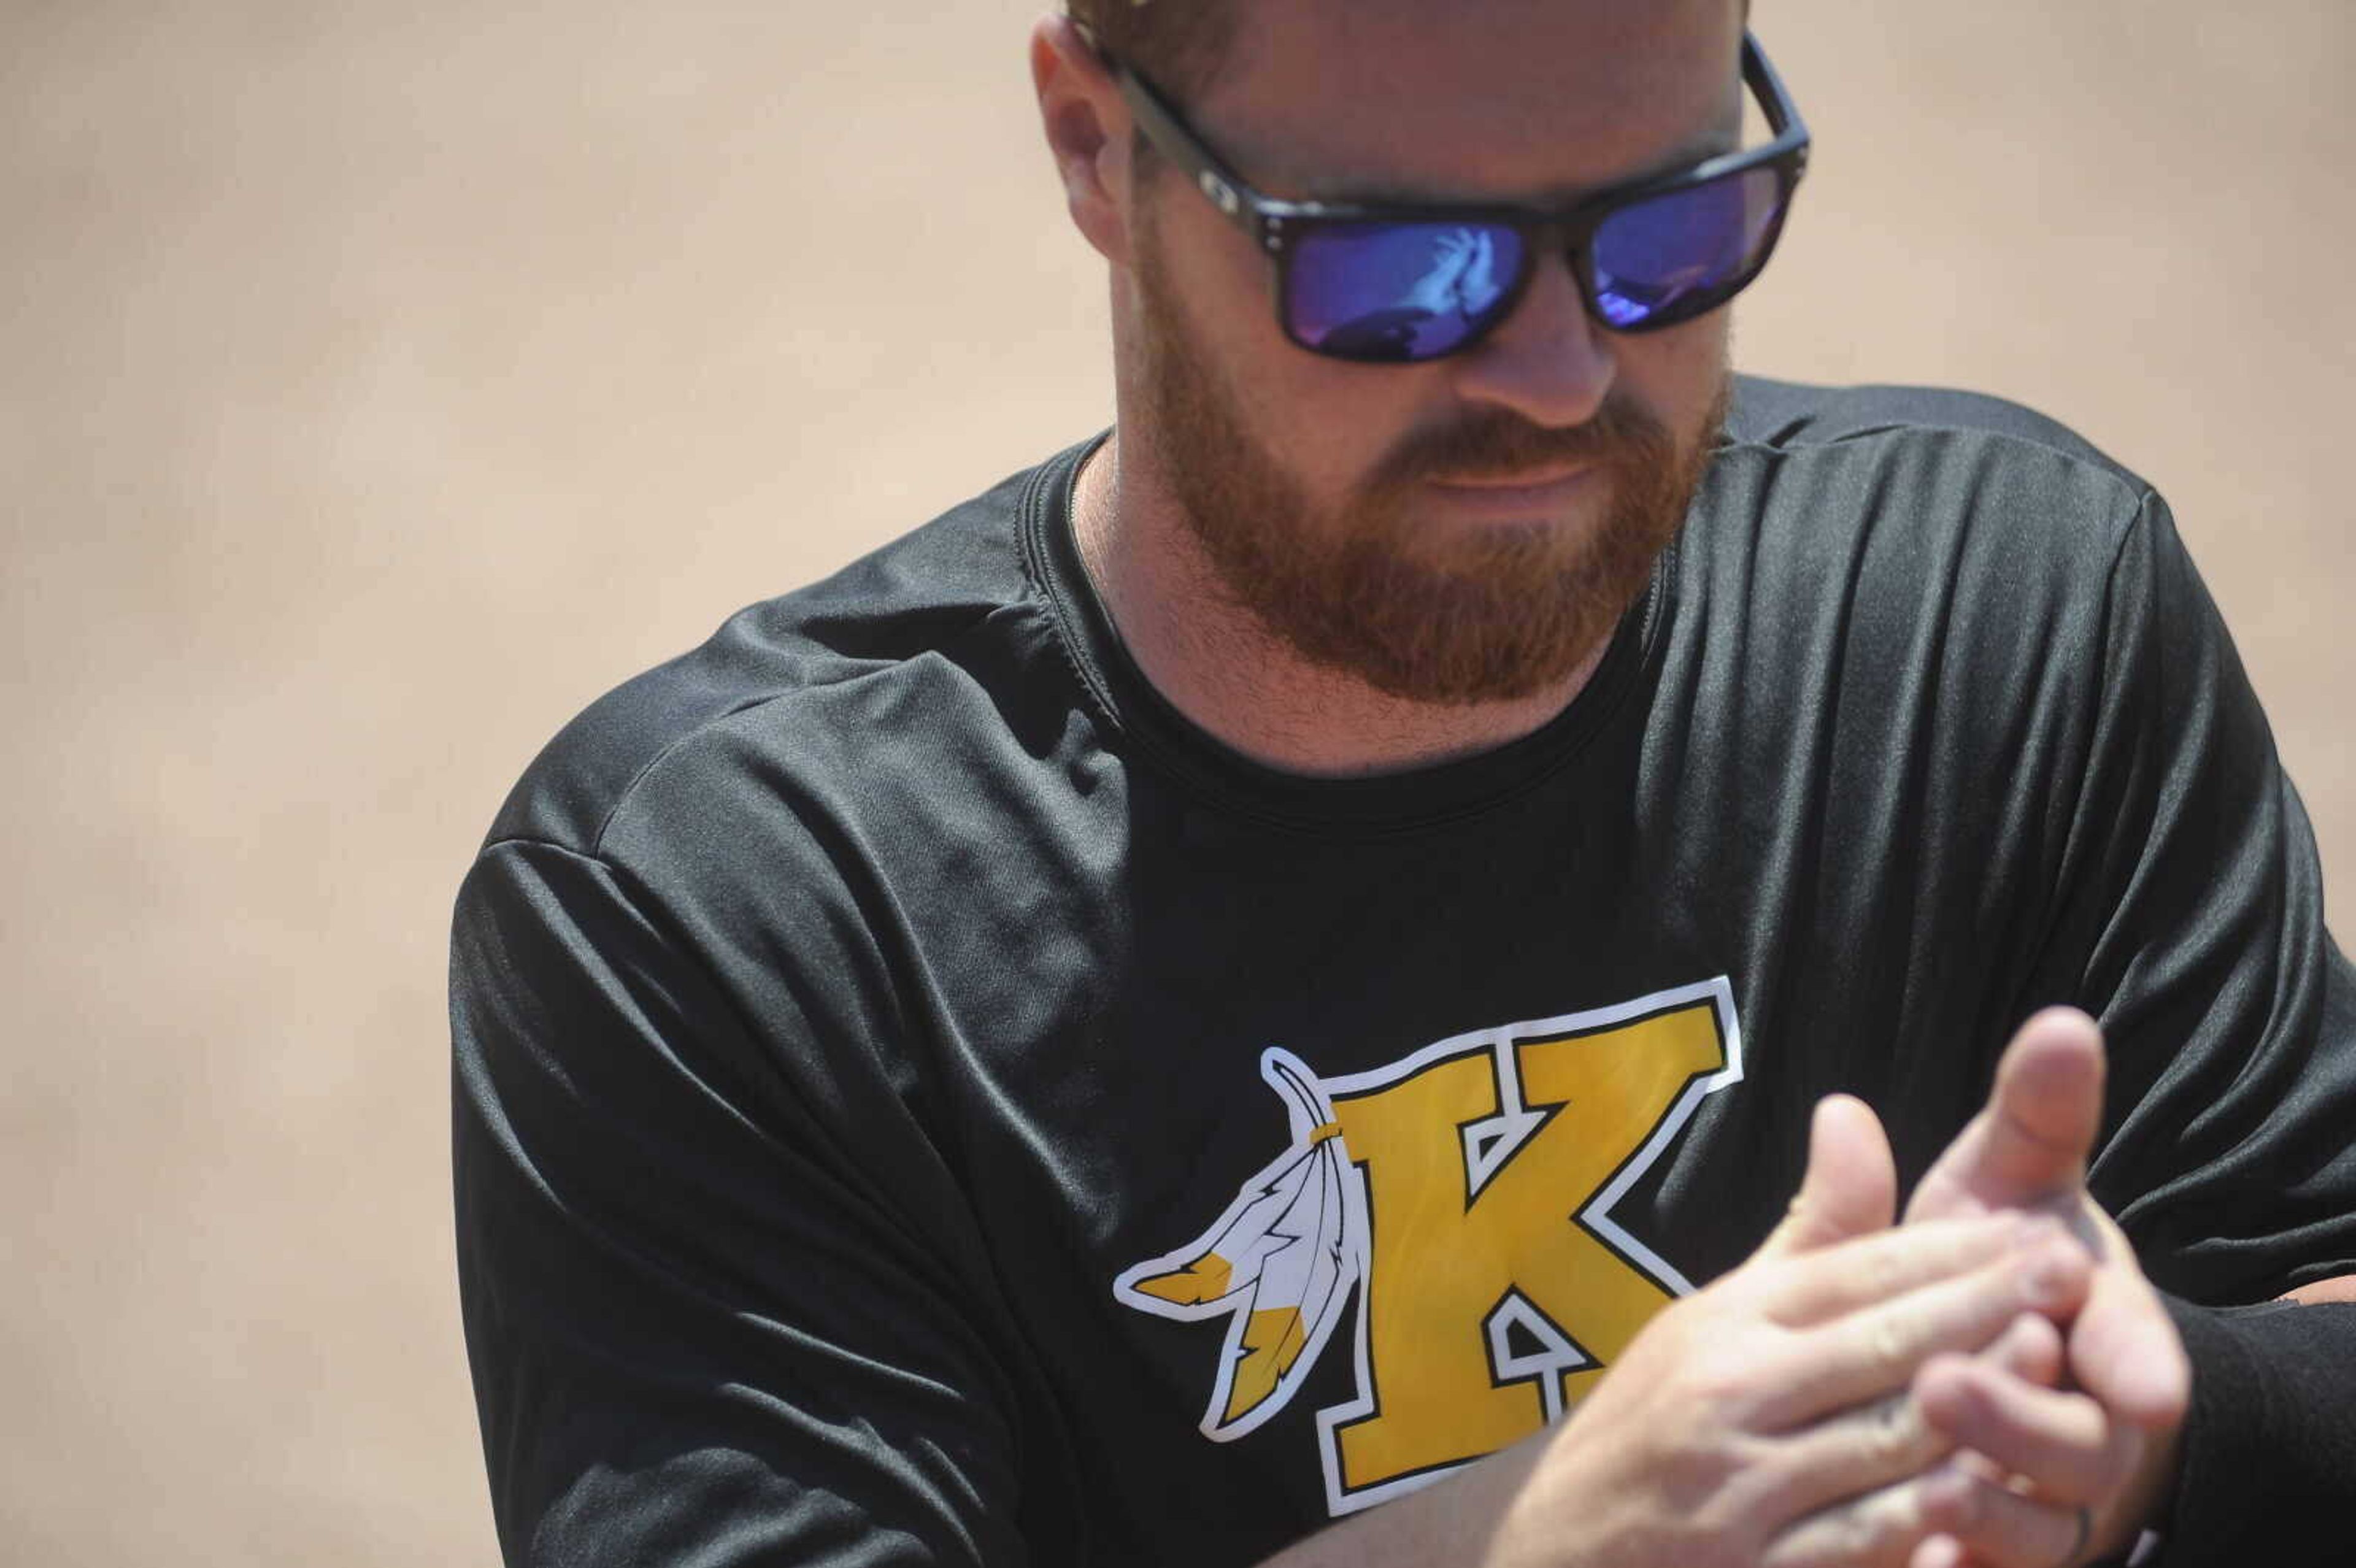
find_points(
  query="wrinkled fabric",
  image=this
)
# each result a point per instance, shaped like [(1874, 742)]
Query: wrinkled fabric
[(843, 1008)]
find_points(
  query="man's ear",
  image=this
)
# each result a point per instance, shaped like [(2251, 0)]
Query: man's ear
[(1088, 128)]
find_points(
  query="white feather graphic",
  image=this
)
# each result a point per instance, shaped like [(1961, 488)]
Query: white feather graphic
[(1281, 1263)]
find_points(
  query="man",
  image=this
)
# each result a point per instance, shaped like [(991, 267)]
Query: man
[(1219, 999)]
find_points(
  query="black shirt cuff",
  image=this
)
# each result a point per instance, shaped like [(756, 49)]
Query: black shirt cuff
[(2270, 1448)]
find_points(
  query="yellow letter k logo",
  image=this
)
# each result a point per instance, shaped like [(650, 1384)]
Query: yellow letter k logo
[(1465, 1192)]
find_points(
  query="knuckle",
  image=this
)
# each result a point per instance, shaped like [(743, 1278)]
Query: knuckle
[(1765, 1485), (1874, 1439), (1698, 1466), (1898, 1431), (1732, 1513), (1886, 1344), (1725, 1383), (1879, 1272), (1892, 1273), (1861, 1529)]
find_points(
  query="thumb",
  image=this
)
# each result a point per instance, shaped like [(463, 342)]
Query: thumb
[(2032, 1141), (1850, 1188)]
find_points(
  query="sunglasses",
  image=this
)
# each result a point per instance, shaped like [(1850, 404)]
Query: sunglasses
[(1402, 283)]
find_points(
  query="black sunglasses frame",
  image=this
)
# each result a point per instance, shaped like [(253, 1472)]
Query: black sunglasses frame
[(1275, 224)]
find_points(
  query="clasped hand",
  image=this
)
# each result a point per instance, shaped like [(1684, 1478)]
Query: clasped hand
[(1991, 1383)]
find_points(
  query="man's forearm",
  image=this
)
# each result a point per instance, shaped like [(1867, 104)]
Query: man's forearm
[(2269, 1450), (1467, 1520)]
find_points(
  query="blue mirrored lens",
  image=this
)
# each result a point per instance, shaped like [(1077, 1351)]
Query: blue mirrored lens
[(1398, 291), (1683, 250)]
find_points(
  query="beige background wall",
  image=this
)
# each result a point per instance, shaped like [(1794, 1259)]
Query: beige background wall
[(379, 382)]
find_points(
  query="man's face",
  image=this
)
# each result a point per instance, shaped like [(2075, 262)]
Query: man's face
[(1471, 528)]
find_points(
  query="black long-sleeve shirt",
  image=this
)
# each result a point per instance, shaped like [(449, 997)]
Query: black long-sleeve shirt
[(920, 1100)]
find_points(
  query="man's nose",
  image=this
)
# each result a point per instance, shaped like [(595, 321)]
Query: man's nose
[(1549, 361)]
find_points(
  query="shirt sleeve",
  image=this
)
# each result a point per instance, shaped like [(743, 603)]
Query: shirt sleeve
[(2268, 1467), (2191, 906), (699, 1330), (2191, 903)]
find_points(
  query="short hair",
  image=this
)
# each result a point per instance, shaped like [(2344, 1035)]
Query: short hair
[(1177, 44)]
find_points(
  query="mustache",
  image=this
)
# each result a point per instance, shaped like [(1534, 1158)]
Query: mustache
[(1494, 444)]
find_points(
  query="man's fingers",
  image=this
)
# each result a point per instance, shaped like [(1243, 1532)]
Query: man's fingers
[(2030, 1350), (2125, 1352), (1835, 1280), (2064, 1442), (1857, 1452), (1943, 1518), (1877, 1349), (1996, 1527), (1874, 1446), (1940, 1552), (2032, 1141), (1877, 1530), (2047, 1106), (1850, 1188)]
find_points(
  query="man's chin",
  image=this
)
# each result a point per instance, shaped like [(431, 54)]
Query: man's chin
[(1507, 558)]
